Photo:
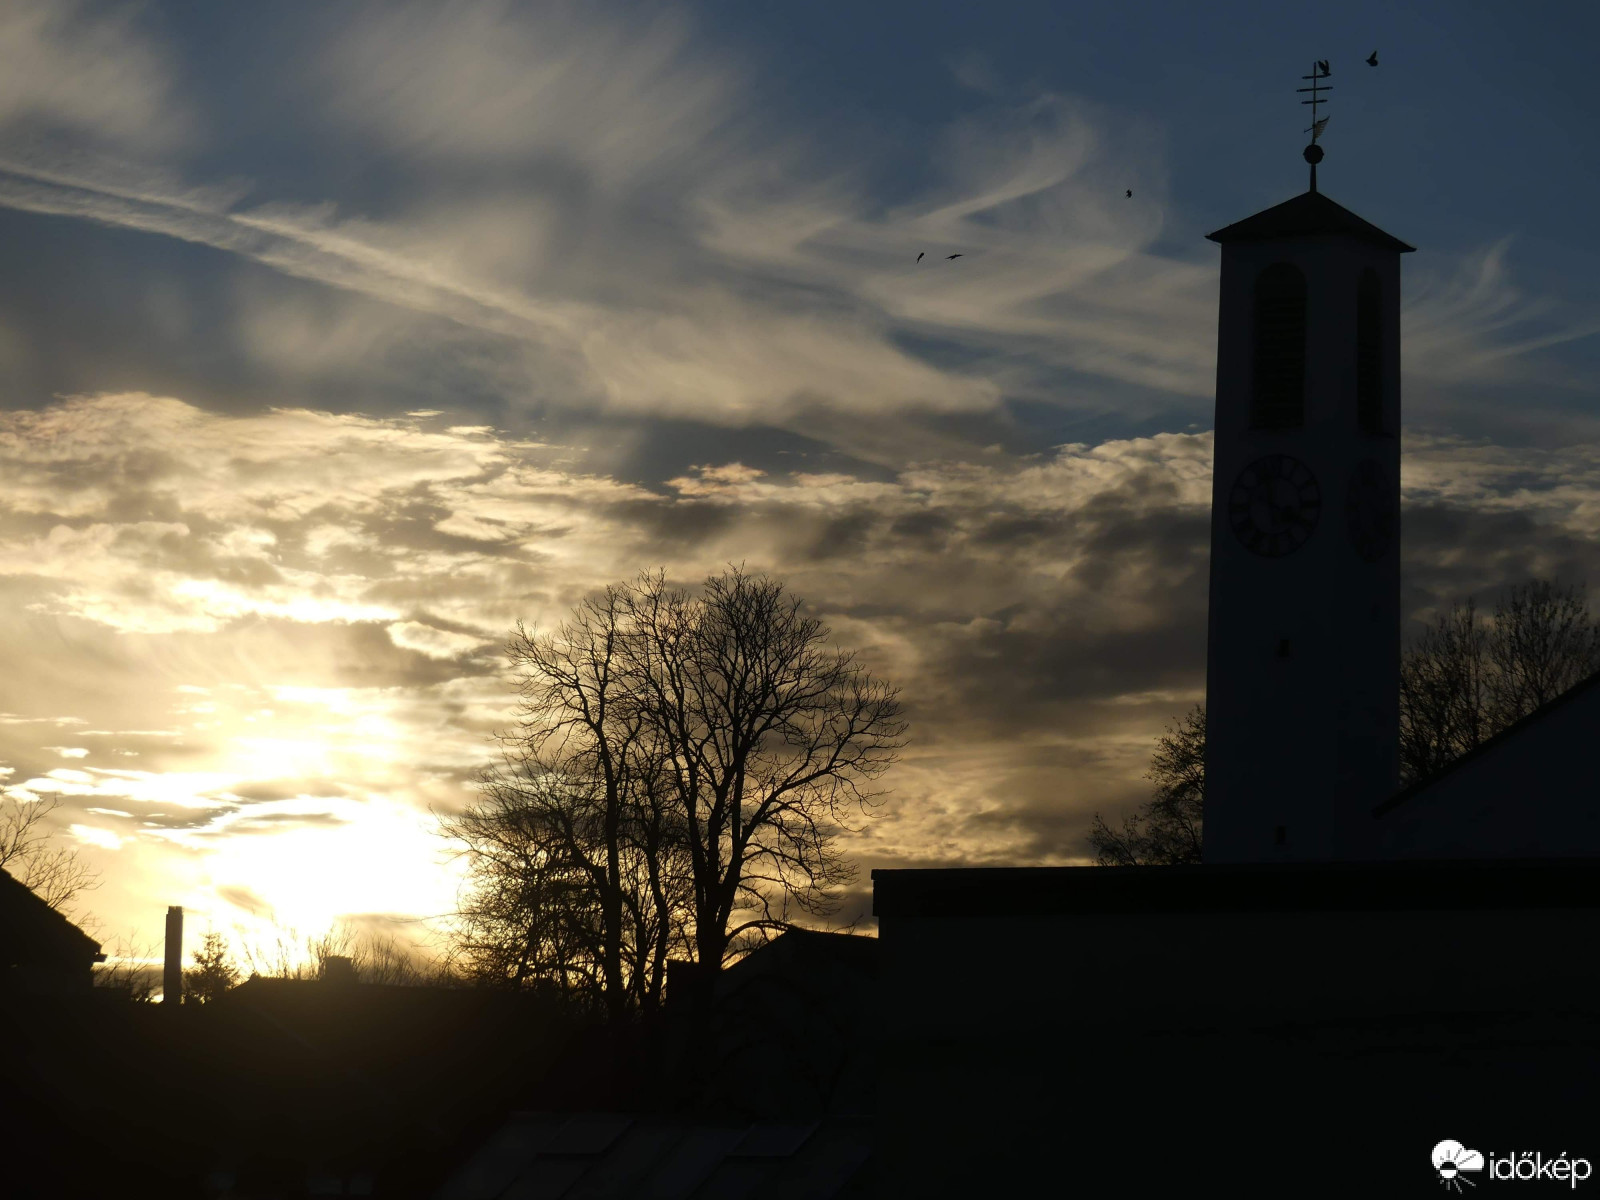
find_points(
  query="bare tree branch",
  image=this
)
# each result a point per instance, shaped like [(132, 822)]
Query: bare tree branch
[(56, 874)]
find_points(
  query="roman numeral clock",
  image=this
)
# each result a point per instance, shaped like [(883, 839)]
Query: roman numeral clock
[(1303, 632)]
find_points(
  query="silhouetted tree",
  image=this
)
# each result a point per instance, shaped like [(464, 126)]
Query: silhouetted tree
[(1445, 707), (1464, 682), (281, 952), (766, 737), (682, 768), (531, 913), (213, 972), (131, 967), (1461, 682), (56, 874), (577, 876), (1166, 830)]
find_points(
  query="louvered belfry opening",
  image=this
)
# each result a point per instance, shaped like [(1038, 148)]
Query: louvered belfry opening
[(1279, 377), (1369, 353)]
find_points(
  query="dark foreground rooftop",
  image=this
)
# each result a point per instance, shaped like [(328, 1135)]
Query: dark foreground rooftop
[(615, 1154), (1254, 887)]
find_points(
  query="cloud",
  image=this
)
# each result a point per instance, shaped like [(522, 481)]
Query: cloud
[(1474, 326), (608, 220), (91, 836), (1044, 614), (484, 82), (245, 900), (431, 640), (65, 66)]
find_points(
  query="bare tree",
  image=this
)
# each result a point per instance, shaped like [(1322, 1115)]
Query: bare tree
[(1444, 693), (576, 876), (1544, 641), (681, 769), (581, 768), (1166, 830), (56, 874), (530, 914), (767, 738), (1463, 682), (383, 958), (375, 957), (213, 972), (131, 967)]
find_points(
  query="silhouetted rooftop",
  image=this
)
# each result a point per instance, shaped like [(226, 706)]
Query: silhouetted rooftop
[(1580, 688), (805, 949), (618, 1154), (1307, 215), (1248, 887), (33, 932)]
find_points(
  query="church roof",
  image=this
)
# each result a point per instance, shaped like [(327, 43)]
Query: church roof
[(1510, 731), (1306, 215)]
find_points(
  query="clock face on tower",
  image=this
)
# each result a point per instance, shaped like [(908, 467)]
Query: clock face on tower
[(1369, 511), (1274, 505)]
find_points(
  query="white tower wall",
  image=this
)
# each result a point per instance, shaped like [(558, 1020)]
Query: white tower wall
[(1300, 747)]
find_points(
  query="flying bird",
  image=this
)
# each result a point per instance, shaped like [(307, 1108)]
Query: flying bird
[(1130, 193), (919, 257), (1373, 61), (948, 257), (1322, 65)]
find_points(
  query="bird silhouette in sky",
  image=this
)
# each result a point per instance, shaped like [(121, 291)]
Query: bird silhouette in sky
[(1373, 61), (1130, 193), (1322, 65), (919, 257), (948, 257)]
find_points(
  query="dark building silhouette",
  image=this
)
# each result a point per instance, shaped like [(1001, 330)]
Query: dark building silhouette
[(278, 1088), (41, 951), (334, 1087), (784, 1108), (1255, 1029)]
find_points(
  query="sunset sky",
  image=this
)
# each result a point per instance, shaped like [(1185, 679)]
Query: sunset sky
[(336, 337)]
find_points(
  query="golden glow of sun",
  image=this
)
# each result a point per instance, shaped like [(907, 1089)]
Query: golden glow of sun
[(383, 858)]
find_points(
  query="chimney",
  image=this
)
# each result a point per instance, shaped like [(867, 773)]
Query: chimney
[(172, 976), (337, 968)]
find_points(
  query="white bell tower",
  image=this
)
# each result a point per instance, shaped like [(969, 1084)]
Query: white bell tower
[(1303, 639)]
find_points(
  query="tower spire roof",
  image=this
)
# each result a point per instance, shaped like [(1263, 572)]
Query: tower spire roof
[(1310, 214)]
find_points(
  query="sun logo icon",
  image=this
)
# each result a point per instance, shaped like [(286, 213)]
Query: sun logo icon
[(1450, 1159)]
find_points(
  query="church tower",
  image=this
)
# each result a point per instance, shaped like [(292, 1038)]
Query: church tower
[(1303, 640)]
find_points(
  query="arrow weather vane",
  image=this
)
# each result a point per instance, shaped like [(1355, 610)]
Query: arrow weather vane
[(1313, 152)]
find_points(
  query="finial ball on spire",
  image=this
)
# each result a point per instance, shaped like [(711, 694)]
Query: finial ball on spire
[(1313, 154)]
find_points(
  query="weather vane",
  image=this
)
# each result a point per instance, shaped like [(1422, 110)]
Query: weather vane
[(1313, 152)]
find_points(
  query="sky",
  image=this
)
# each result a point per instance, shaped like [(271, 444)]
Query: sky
[(335, 338)]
